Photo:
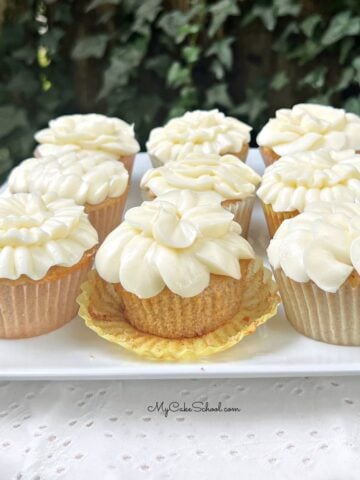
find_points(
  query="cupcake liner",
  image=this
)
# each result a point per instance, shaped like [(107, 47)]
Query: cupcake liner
[(275, 219), (242, 210), (29, 308), (268, 156), (327, 317), (128, 162), (107, 215), (102, 310), (242, 155)]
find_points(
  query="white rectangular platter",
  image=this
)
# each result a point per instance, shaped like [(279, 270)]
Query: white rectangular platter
[(276, 349)]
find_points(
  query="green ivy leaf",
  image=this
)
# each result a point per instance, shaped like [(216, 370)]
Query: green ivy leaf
[(172, 23), (287, 7), (90, 46), (218, 96), (279, 81), (316, 78), (347, 77), (352, 104), (345, 48), (10, 119), (220, 11), (50, 40), (356, 65), (266, 15), (191, 53), (342, 25), (100, 3), (217, 69), (177, 75), (146, 14), (310, 23), (222, 50)]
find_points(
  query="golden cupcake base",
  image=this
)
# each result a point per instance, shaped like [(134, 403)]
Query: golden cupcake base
[(102, 311), (268, 155), (275, 219)]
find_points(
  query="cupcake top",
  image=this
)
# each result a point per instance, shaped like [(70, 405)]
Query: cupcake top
[(83, 176), (296, 180), (322, 244), (198, 131), (175, 241), (310, 127), (92, 132), (37, 233), (226, 175)]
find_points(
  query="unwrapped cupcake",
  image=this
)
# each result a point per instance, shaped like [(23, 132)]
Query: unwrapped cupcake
[(93, 180), (294, 181), (190, 262), (316, 261), (307, 127), (233, 181), (90, 131), (47, 247), (201, 132)]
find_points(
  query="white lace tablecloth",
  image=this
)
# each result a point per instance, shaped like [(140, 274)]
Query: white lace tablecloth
[(304, 428)]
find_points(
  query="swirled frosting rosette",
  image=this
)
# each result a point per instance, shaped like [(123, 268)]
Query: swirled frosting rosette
[(204, 132), (308, 127), (225, 175), (46, 249), (91, 131), (92, 179), (316, 260), (173, 243), (294, 181)]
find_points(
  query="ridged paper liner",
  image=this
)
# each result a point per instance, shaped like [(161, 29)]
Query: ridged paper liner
[(242, 155), (328, 317), (102, 312), (242, 210), (29, 308), (107, 215), (275, 219), (268, 155), (128, 162)]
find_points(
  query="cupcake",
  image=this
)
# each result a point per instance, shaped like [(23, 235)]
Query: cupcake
[(200, 132), (47, 247), (93, 180), (299, 179), (316, 261), (308, 127), (233, 181), (190, 261), (89, 132)]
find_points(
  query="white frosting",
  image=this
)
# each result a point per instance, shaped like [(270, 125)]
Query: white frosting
[(296, 180), (92, 132), (226, 175), (310, 127), (86, 177), (322, 244), (174, 241), (200, 132), (37, 233)]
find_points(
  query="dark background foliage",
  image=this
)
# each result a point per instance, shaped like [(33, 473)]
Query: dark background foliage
[(147, 61)]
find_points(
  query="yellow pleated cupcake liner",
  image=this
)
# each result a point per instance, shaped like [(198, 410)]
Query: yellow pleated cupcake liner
[(102, 312)]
